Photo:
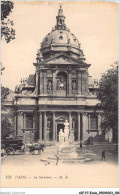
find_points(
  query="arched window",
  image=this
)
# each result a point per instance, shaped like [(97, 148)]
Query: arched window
[(60, 21)]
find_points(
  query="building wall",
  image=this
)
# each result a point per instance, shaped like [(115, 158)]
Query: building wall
[(76, 82), (47, 124)]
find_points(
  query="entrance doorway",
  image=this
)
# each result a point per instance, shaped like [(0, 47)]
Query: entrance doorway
[(59, 126)]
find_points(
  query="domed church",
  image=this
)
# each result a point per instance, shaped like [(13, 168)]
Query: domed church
[(61, 89)]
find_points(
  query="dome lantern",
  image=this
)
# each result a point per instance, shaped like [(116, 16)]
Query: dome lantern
[(60, 19)]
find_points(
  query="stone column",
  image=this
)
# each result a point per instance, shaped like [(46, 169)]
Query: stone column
[(83, 82), (85, 127), (16, 123), (79, 83), (54, 82), (41, 81), (36, 125), (45, 125), (99, 121), (69, 82), (81, 126), (37, 81), (86, 82), (45, 81), (40, 126), (53, 126), (70, 122), (78, 126), (16, 132), (23, 121), (88, 121), (23, 127)]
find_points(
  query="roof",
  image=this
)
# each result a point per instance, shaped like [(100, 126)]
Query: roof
[(58, 37)]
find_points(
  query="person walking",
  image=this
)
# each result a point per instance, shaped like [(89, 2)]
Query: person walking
[(80, 143), (57, 158), (103, 155)]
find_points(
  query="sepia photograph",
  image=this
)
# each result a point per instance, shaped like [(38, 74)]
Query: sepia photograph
[(59, 94)]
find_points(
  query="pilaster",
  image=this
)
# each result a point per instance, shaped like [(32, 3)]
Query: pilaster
[(41, 81), (45, 81), (54, 81), (40, 126), (53, 126), (16, 123), (70, 122), (88, 121), (78, 126), (69, 82), (83, 80), (45, 125), (79, 75), (37, 81)]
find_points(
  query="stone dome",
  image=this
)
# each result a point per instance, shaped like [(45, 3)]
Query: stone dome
[(60, 39)]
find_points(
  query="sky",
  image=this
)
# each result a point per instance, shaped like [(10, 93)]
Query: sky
[(95, 24)]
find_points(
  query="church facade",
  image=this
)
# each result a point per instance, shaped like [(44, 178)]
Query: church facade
[(61, 89)]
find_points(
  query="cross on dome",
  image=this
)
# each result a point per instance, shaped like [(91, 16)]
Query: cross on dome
[(60, 11)]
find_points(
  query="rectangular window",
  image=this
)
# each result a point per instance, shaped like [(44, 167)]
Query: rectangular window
[(94, 122), (29, 121)]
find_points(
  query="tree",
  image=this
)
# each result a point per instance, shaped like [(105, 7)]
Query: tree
[(6, 115), (9, 34), (4, 93), (6, 126), (108, 95), (6, 25)]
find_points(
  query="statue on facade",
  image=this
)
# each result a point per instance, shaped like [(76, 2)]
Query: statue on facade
[(74, 85), (61, 84), (49, 85)]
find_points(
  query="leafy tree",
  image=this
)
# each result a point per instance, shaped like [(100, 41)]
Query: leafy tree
[(4, 93), (6, 126), (6, 115), (108, 95), (9, 34), (6, 25)]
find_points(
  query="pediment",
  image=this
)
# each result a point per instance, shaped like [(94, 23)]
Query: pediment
[(60, 119), (61, 59)]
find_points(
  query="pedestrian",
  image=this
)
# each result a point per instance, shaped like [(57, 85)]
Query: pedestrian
[(103, 155), (80, 143), (57, 159)]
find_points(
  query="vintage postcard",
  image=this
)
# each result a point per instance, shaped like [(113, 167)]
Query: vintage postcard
[(59, 94)]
